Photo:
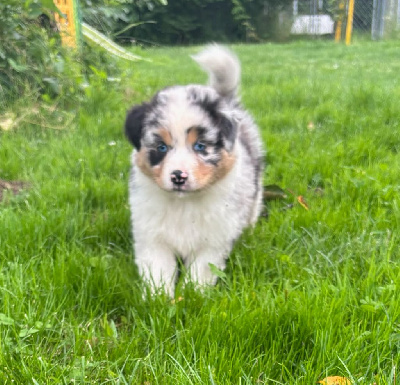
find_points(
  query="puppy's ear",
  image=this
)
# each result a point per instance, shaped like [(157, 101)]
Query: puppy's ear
[(134, 123)]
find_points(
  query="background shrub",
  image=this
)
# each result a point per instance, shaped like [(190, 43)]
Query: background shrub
[(187, 21), (33, 62)]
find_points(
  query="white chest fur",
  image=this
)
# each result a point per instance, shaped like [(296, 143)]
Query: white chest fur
[(187, 223)]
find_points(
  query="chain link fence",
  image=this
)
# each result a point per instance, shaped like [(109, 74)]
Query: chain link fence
[(379, 18), (375, 19)]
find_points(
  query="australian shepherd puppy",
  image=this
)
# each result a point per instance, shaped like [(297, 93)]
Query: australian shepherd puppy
[(196, 179)]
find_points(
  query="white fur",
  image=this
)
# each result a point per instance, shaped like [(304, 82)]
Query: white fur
[(199, 226), (223, 68)]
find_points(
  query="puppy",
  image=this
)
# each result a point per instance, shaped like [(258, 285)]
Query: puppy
[(196, 178)]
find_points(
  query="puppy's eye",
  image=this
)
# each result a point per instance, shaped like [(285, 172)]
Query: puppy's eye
[(199, 147), (162, 147)]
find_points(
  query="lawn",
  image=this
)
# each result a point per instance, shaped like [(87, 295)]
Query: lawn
[(307, 294)]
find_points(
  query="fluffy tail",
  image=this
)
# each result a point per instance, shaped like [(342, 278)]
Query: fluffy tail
[(223, 68)]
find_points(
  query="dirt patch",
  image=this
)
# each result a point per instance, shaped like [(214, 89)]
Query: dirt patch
[(14, 187)]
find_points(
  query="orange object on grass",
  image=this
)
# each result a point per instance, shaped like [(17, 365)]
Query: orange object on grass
[(303, 202), (335, 380)]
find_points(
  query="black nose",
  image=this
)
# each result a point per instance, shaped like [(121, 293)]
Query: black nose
[(178, 177)]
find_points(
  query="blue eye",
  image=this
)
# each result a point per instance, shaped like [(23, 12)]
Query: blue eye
[(162, 148), (199, 147)]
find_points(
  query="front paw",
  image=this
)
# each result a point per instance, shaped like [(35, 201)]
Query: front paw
[(158, 268)]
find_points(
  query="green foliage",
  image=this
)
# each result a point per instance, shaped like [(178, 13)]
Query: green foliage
[(261, 20), (186, 21), (33, 61), (111, 16), (337, 9), (243, 19), (106, 15), (31, 57)]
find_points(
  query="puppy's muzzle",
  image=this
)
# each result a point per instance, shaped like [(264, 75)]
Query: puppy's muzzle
[(178, 177)]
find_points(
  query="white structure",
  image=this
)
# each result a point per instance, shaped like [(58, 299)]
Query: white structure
[(314, 21), (380, 18), (312, 25)]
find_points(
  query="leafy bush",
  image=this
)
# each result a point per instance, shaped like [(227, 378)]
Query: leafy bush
[(186, 21), (113, 16), (106, 15), (31, 57)]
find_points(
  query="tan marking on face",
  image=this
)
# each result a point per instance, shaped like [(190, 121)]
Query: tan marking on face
[(203, 174), (206, 174), (225, 165), (165, 136), (142, 161), (192, 136)]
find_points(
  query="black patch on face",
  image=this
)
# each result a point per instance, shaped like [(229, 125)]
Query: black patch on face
[(156, 157), (220, 142), (227, 128), (136, 116), (134, 123)]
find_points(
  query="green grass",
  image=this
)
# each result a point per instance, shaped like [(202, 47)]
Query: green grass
[(307, 294)]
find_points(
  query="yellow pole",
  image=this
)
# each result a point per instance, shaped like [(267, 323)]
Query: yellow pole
[(69, 25), (349, 27), (338, 31)]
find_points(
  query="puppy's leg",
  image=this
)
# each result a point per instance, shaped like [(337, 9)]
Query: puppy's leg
[(199, 267), (157, 265)]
